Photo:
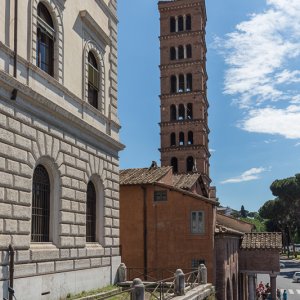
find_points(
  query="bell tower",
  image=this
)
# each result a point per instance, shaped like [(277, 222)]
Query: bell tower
[(184, 127)]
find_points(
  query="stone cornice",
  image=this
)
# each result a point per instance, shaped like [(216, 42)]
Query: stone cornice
[(186, 122), (167, 6), (182, 63), (181, 34), (185, 148), (93, 25), (58, 85), (35, 99)]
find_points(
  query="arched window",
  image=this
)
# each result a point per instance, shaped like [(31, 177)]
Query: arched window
[(91, 213), (188, 22), (188, 51), (93, 80), (172, 24), (45, 40), (189, 112), (181, 139), (189, 82), (173, 139), (172, 53), (190, 164), (40, 221), (190, 138), (173, 114), (174, 164), (181, 83), (180, 23), (181, 112), (180, 52), (173, 84)]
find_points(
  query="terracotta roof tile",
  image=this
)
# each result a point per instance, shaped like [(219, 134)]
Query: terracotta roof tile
[(143, 175), (262, 240), (185, 181)]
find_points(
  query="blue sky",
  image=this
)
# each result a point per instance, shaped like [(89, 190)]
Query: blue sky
[(253, 89)]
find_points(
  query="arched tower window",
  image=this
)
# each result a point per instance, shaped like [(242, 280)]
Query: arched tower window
[(45, 40), (181, 83), (172, 53), (40, 222), (174, 164), (189, 51), (180, 52), (173, 84), (173, 112), (189, 164), (190, 111), (181, 139), (93, 80), (188, 22), (181, 112), (180, 23), (91, 213), (172, 24), (189, 82), (173, 139), (190, 138)]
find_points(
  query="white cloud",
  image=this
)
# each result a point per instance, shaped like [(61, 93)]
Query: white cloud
[(252, 174), (263, 74), (285, 122), (297, 144), (212, 150)]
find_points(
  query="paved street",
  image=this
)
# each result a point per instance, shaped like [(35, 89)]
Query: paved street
[(284, 280)]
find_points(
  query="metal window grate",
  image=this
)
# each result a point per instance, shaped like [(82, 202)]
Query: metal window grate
[(40, 205), (160, 196), (91, 213)]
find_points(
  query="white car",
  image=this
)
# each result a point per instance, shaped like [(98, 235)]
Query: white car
[(282, 265), (296, 277)]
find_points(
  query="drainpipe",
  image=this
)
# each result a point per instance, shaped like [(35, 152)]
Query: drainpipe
[(145, 232), (15, 91), (11, 271)]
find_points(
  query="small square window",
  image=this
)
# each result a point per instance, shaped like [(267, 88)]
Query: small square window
[(197, 222), (197, 262), (160, 195)]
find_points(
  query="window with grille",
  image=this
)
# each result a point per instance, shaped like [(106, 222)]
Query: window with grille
[(91, 213), (40, 205), (197, 222), (160, 196)]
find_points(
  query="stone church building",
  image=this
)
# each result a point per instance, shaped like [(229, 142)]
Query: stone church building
[(59, 144)]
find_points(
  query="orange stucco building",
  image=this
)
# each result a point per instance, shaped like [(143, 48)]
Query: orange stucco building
[(165, 226)]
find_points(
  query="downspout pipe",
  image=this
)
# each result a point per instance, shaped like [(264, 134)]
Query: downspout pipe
[(15, 91), (11, 252), (145, 231)]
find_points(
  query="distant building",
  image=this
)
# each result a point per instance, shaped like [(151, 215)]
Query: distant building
[(59, 144), (164, 224)]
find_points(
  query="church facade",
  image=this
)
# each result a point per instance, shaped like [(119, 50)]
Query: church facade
[(59, 144)]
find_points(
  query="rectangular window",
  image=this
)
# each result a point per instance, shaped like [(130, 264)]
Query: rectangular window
[(160, 195), (197, 222), (197, 262)]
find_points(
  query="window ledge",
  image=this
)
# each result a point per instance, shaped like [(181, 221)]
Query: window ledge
[(94, 245), (42, 246)]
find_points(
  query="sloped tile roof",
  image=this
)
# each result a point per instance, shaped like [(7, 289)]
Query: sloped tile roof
[(221, 229), (262, 240), (185, 181), (143, 175)]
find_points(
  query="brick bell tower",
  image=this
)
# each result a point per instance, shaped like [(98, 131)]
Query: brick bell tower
[(184, 128)]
